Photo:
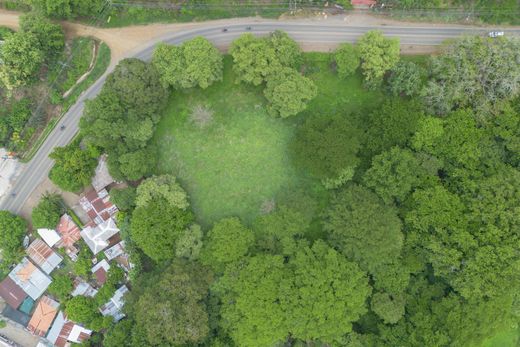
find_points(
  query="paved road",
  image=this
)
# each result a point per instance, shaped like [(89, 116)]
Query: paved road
[(37, 169)]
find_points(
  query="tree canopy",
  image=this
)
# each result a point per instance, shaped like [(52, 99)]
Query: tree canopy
[(255, 58), (122, 118), (288, 92), (48, 212), (12, 232), (378, 55), (194, 63), (347, 60), (327, 146)]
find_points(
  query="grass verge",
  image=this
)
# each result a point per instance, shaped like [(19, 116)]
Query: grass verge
[(100, 66)]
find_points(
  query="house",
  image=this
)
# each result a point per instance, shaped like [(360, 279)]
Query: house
[(114, 306), (43, 316), (83, 288), (100, 271), (43, 256), (102, 177), (50, 236), (69, 234), (115, 251), (98, 237), (12, 293), (32, 280), (64, 331), (97, 205)]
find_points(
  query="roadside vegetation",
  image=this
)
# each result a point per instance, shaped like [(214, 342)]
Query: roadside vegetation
[(38, 79)]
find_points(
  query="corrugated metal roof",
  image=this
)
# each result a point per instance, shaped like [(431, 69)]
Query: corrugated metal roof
[(12, 293), (31, 279), (43, 256)]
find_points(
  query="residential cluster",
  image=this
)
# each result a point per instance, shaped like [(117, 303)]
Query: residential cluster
[(25, 288)]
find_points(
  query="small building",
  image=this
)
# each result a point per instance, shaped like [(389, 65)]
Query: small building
[(102, 176), (32, 280), (100, 271), (63, 332), (115, 305), (12, 293), (43, 256), (83, 288), (115, 251), (43, 316), (69, 234), (50, 236), (97, 205), (98, 237)]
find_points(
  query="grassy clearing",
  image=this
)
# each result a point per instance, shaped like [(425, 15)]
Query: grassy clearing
[(508, 338), (238, 161)]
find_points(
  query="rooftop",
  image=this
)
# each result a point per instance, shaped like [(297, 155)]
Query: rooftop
[(100, 270), (43, 316), (97, 237), (114, 306), (102, 177), (97, 205), (43, 256), (50, 236), (31, 279), (69, 232), (12, 293)]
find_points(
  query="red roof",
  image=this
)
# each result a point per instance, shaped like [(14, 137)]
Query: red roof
[(68, 231), (12, 293), (101, 276), (363, 2), (64, 334)]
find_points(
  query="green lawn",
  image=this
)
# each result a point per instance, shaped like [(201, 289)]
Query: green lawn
[(239, 162)]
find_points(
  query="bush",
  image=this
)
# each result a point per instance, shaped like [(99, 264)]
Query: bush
[(347, 60), (61, 287)]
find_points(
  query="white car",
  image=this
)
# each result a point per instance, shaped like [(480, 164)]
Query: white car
[(495, 33)]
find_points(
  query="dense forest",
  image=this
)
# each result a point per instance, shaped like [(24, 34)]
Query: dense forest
[(408, 237)]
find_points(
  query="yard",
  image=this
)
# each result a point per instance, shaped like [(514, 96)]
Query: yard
[(230, 154)]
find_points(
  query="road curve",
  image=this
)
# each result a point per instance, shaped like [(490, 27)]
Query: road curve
[(34, 172)]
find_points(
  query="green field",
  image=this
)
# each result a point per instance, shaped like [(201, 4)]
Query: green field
[(238, 162), (509, 338)]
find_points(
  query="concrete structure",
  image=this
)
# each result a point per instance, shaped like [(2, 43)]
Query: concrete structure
[(97, 237), (102, 177)]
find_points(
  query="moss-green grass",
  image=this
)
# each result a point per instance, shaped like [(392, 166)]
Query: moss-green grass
[(507, 338), (241, 159)]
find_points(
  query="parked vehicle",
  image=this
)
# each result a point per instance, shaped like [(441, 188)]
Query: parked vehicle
[(495, 34)]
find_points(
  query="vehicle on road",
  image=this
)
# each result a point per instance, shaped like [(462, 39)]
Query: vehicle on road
[(248, 28), (494, 34), (224, 30), (62, 127)]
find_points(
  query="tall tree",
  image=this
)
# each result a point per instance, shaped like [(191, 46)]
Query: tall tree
[(195, 63), (22, 58), (363, 228), (228, 241), (51, 39), (171, 311), (48, 211), (254, 58), (327, 146), (378, 55), (12, 232), (288, 92)]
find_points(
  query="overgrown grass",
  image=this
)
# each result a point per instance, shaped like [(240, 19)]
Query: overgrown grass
[(193, 11), (81, 56), (240, 160), (507, 338), (101, 64)]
